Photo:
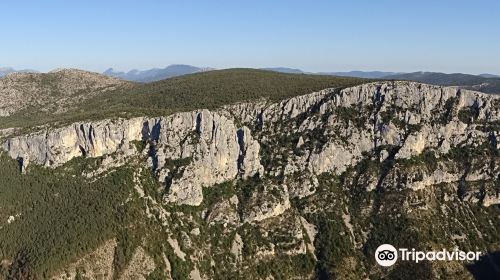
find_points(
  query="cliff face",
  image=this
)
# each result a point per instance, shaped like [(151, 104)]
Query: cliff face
[(211, 148), (331, 129), (347, 156)]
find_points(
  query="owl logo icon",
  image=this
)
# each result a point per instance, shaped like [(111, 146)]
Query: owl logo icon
[(386, 255)]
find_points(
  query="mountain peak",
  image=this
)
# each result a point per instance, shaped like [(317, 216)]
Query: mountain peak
[(156, 74)]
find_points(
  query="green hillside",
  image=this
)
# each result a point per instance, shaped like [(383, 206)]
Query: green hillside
[(201, 90), (60, 207)]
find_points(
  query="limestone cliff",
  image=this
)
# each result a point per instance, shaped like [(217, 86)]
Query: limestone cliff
[(213, 148)]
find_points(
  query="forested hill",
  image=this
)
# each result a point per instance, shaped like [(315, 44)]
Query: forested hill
[(201, 90)]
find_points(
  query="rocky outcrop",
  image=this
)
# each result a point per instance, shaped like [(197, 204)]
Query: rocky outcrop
[(139, 267), (224, 212), (99, 265), (96, 265), (212, 148), (204, 146), (237, 247), (53, 147), (270, 202)]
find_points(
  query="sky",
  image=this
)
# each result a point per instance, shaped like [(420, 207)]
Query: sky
[(387, 35)]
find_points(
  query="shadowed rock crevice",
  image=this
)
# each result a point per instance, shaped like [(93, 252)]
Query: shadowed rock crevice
[(199, 127), (156, 131), (83, 151), (240, 134)]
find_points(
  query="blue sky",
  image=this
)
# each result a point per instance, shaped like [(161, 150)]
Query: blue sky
[(390, 35)]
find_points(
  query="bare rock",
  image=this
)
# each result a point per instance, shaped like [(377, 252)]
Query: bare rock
[(271, 202)]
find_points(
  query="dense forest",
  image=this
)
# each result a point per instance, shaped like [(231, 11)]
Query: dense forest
[(59, 214)]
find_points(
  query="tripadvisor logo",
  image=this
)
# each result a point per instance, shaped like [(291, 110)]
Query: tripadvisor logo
[(387, 255)]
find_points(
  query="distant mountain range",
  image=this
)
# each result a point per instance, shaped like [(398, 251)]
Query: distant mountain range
[(490, 84), (174, 70), (284, 70), (155, 74), (484, 82), (361, 74), (486, 75), (7, 70), (357, 74)]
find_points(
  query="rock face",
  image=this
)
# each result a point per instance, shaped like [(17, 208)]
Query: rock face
[(96, 265), (270, 202), (188, 150), (199, 149), (224, 212), (140, 266), (52, 148), (328, 130)]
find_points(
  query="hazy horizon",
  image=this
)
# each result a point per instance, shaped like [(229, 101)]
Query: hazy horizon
[(213, 68)]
